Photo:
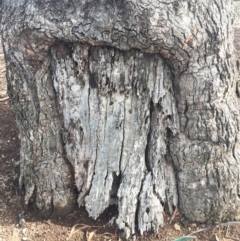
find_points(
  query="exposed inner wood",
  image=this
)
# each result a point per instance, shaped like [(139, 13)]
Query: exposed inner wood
[(117, 109)]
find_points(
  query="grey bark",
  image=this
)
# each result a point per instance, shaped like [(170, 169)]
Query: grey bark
[(131, 102)]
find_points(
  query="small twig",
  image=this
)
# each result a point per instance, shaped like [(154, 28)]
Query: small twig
[(214, 227), (48, 222), (173, 215), (72, 215), (4, 99), (216, 237)]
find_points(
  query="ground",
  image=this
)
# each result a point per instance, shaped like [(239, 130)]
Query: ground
[(18, 224)]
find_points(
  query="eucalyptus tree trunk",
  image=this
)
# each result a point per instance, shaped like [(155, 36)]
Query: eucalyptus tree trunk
[(133, 103)]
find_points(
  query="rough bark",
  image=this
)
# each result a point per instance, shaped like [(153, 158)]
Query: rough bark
[(132, 102)]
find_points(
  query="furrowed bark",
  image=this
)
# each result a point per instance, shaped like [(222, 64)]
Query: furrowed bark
[(134, 103)]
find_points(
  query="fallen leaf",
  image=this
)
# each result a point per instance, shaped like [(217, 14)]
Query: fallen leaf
[(177, 227)]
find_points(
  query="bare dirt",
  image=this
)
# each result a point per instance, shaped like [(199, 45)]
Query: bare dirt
[(17, 224)]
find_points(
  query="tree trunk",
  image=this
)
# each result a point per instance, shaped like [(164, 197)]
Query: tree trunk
[(133, 103)]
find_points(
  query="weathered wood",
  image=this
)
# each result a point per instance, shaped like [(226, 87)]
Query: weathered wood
[(3, 84), (134, 103)]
